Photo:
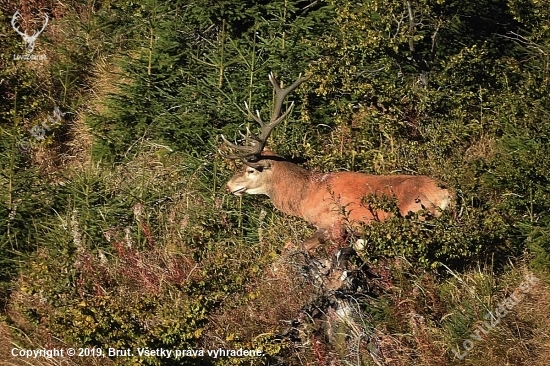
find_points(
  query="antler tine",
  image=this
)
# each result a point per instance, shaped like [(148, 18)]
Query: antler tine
[(256, 117), (284, 115), (281, 94), (258, 142), (248, 151), (249, 137)]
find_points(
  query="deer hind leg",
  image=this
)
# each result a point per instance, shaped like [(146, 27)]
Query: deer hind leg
[(335, 235), (321, 236)]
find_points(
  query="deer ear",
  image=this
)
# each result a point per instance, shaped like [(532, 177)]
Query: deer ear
[(259, 165), (266, 164)]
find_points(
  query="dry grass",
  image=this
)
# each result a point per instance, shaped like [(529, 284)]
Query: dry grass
[(72, 142), (483, 148), (522, 337), (271, 301), (412, 333), (73, 149)]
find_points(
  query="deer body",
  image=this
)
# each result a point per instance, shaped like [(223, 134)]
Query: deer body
[(331, 201), (328, 201)]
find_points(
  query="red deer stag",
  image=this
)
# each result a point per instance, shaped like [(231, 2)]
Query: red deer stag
[(329, 201)]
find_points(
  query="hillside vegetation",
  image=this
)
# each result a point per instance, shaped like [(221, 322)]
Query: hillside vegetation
[(117, 231)]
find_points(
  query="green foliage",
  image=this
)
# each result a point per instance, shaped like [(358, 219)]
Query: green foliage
[(185, 73), (110, 280), (23, 196), (106, 308), (29, 94), (433, 242)]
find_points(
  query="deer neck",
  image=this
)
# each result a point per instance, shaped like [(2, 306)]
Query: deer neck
[(289, 187)]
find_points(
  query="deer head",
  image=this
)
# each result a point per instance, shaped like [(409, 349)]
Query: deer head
[(29, 40), (256, 175)]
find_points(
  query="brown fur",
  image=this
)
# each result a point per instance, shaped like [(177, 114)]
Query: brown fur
[(329, 201)]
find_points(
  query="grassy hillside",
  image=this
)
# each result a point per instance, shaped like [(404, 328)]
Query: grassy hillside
[(118, 235)]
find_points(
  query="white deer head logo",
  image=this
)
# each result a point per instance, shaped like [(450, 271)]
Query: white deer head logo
[(29, 40)]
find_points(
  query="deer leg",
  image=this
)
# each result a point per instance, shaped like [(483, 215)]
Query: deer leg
[(320, 237), (338, 236)]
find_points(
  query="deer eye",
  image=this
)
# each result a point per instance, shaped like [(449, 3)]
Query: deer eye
[(250, 171)]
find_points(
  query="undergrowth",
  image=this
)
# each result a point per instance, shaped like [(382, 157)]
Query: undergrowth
[(117, 230)]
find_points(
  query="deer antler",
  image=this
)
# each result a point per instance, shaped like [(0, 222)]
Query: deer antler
[(258, 142)]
